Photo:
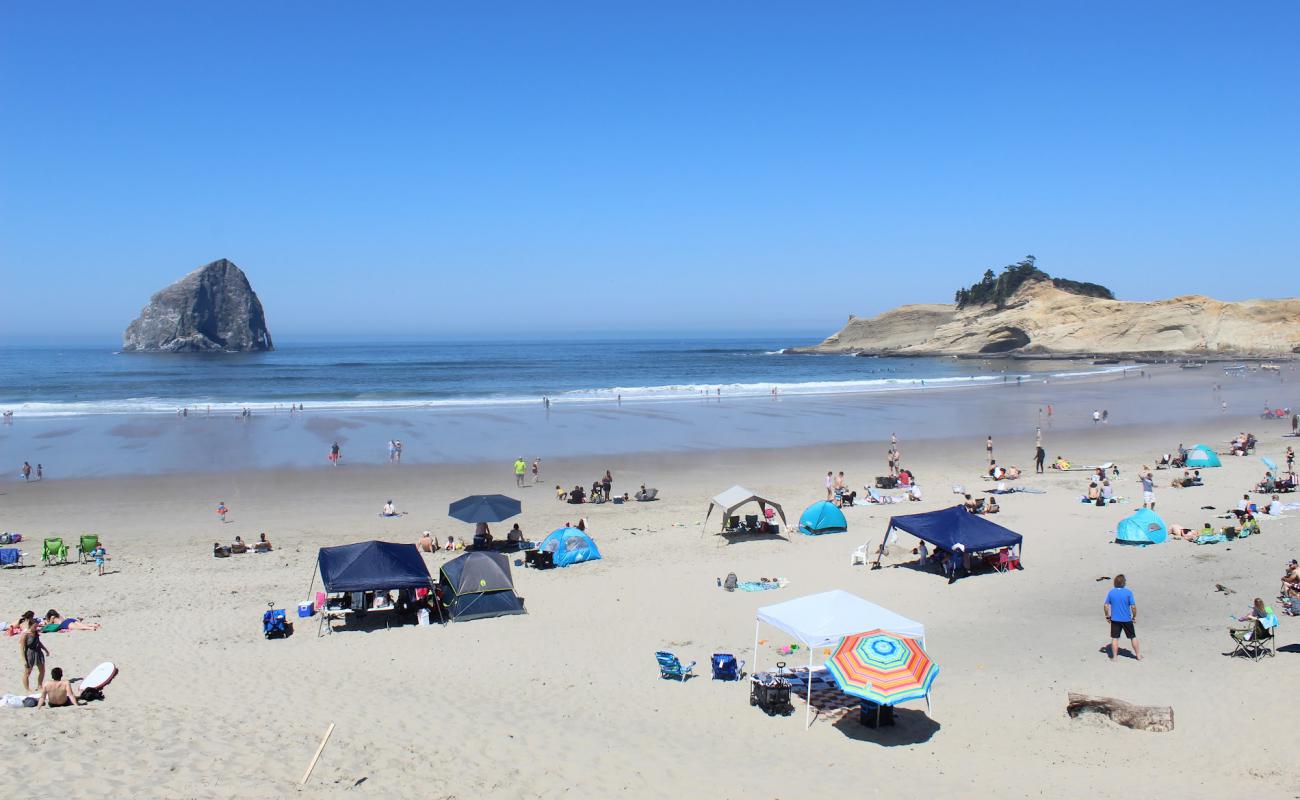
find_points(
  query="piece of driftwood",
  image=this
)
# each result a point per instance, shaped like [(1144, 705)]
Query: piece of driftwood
[(1157, 719), (316, 757)]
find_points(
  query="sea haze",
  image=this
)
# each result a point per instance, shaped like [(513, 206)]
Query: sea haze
[(62, 381)]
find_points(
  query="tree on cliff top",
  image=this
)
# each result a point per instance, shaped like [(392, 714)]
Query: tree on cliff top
[(997, 289)]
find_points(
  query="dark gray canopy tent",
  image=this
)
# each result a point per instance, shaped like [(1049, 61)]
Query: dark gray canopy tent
[(477, 585), (368, 567)]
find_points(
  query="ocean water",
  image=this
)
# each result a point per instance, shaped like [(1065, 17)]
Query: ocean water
[(72, 381)]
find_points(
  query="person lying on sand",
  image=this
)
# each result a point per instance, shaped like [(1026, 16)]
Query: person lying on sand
[(57, 692), (1060, 463), (56, 623), (1188, 534)]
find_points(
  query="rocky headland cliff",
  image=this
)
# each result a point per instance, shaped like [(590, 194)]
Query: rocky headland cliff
[(1034, 315), (212, 309)]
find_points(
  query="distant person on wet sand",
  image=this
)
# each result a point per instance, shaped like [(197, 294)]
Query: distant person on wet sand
[(1040, 455), (27, 471), (221, 511), (988, 448), (335, 454), (521, 467), (537, 470)]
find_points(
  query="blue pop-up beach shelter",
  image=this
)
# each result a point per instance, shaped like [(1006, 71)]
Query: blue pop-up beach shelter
[(1201, 456), (570, 546), (1141, 528), (822, 517)]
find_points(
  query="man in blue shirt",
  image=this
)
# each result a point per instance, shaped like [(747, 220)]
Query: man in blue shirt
[(1121, 613)]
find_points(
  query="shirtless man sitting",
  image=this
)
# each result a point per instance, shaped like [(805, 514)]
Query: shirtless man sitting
[(57, 692)]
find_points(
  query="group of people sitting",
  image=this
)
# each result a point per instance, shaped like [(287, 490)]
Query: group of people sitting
[(1188, 479), (237, 547), (602, 492), (1003, 473), (1243, 444), (1270, 484), (981, 505), (1208, 534), (1099, 493)]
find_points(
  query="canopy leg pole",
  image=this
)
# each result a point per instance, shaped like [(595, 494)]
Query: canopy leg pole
[(754, 661), (808, 716), (313, 578)]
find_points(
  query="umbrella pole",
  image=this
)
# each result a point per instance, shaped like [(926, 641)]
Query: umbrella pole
[(808, 717)]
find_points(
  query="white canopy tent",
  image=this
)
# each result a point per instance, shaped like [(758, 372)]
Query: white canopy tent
[(737, 496), (821, 620)]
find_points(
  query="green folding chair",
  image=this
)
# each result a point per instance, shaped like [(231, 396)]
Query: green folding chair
[(54, 551), (88, 543)]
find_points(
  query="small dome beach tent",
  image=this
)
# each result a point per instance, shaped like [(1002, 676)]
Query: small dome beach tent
[(954, 526), (822, 517), (570, 546), (1142, 528), (477, 585), (822, 620), (734, 498), (1202, 456)]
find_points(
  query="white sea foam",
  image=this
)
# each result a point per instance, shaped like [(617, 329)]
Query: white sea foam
[(663, 393)]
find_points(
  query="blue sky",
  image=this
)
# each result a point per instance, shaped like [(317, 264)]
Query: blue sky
[(542, 168)]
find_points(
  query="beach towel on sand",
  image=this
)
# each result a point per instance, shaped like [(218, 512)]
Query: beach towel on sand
[(762, 586)]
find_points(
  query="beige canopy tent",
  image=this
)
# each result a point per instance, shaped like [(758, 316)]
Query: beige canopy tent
[(734, 498)]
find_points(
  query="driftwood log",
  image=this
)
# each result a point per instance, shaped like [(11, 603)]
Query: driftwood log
[(1158, 719)]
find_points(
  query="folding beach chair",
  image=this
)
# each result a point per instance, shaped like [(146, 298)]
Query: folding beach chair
[(726, 667), (670, 668), (86, 545), (54, 551), (733, 523), (751, 522), (1257, 642)]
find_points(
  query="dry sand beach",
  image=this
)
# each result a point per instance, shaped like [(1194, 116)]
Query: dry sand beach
[(566, 701)]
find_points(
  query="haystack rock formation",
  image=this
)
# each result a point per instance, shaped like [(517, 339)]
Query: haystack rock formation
[(212, 309), (1040, 319)]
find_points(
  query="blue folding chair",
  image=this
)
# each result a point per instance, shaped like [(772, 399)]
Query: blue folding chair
[(726, 667), (671, 669)]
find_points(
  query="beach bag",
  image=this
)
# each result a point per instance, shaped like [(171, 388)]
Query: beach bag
[(729, 583), (1101, 501), (886, 482)]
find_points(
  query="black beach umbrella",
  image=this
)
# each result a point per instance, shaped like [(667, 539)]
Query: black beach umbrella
[(484, 508)]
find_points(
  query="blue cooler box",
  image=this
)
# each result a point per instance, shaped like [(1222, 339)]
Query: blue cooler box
[(306, 608)]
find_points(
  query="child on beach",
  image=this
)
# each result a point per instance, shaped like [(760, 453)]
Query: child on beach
[(100, 555), (221, 510)]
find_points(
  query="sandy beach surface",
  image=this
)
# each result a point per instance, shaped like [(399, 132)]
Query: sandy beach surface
[(566, 701)]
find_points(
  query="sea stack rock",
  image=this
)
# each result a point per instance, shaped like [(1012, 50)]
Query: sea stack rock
[(213, 309)]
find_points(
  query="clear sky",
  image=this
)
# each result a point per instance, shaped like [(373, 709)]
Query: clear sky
[(547, 168)]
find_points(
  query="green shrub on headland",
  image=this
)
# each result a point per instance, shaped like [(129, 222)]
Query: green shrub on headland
[(997, 289)]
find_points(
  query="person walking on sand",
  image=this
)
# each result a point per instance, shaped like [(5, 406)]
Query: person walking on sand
[(537, 470), (335, 454), (100, 555), (392, 451), (1290, 460), (521, 467), (988, 448), (830, 484), (27, 471), (1148, 491), (1040, 455), (398, 444), (1121, 612), (1096, 416), (33, 653), (40, 472), (221, 511), (1105, 416)]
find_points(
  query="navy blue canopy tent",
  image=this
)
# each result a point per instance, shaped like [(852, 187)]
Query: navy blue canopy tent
[(953, 526), (367, 566)]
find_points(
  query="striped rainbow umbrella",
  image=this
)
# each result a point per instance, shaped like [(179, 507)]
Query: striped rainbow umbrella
[(882, 667)]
